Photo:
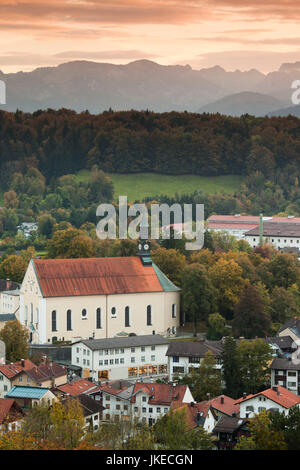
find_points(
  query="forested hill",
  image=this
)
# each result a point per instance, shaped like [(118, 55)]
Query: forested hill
[(62, 142)]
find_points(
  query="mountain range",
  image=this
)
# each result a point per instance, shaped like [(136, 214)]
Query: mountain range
[(144, 84)]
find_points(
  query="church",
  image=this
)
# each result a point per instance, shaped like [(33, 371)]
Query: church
[(73, 299)]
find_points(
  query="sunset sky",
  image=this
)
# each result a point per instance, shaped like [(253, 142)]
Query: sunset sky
[(240, 34)]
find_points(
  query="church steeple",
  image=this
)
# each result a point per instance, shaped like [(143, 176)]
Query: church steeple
[(144, 252)]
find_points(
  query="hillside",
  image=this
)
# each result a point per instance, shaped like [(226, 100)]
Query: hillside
[(144, 84), (238, 104)]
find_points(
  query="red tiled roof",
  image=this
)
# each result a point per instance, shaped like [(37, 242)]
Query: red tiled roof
[(11, 370), (283, 397), (191, 411), (5, 406), (46, 372), (233, 218), (94, 276), (231, 226), (77, 387), (228, 407), (161, 394)]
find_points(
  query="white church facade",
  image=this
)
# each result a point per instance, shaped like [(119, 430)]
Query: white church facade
[(73, 299)]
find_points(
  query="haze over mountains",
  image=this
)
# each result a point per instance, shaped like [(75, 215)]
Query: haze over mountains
[(143, 84)]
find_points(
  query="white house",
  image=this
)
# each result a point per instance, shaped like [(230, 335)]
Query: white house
[(275, 398), (186, 355), (146, 402), (97, 298), (131, 357)]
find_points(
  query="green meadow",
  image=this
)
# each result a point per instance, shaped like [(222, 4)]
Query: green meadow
[(140, 185)]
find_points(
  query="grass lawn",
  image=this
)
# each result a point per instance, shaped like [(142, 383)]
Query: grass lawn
[(140, 185)]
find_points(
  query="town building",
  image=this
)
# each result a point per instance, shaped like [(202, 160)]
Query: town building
[(74, 388), (183, 356), (275, 398), (46, 376), (286, 373), (92, 410), (291, 328), (280, 235), (73, 299), (228, 430), (11, 414), (26, 397), (146, 402), (131, 357), (8, 372)]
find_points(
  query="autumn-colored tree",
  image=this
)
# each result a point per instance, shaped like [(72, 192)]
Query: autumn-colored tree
[(172, 432), (70, 243), (11, 200), (13, 267), (15, 336), (226, 277), (68, 423), (171, 262), (262, 436)]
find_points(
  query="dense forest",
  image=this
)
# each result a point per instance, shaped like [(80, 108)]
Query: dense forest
[(63, 142)]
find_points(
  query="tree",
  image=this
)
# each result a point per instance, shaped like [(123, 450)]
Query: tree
[(45, 224), (262, 436), (171, 262), (226, 277), (15, 336), (70, 243), (216, 326), (231, 368), (289, 425), (255, 357), (285, 270), (13, 267), (11, 200), (204, 379), (68, 423), (172, 432), (198, 293), (250, 318), (282, 305)]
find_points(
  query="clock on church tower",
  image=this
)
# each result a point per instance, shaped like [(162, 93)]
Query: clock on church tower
[(144, 252)]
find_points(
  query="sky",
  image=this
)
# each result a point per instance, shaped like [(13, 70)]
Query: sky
[(235, 34)]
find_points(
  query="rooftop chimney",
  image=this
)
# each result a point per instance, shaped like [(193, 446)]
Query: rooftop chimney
[(8, 284), (244, 395), (22, 362), (208, 396), (222, 400)]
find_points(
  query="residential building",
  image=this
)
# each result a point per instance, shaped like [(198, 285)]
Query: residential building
[(99, 298), (286, 373), (197, 414), (8, 372), (10, 302), (280, 235), (92, 410), (275, 398), (75, 388), (27, 397), (291, 328), (46, 375), (146, 402), (222, 406), (131, 357), (228, 430), (11, 414), (186, 355)]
